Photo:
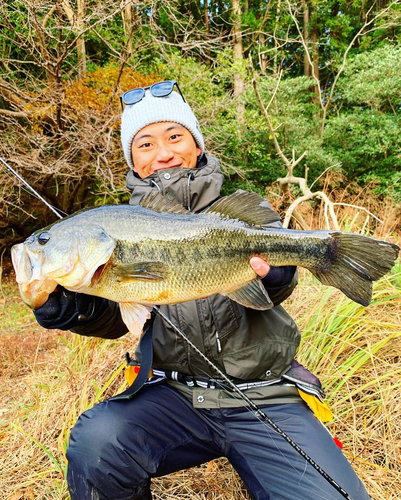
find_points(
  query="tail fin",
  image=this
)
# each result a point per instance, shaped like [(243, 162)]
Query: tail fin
[(358, 260)]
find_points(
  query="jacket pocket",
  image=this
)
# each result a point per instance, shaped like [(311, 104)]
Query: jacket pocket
[(224, 317), (266, 360)]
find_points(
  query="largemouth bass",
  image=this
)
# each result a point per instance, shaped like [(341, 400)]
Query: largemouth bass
[(158, 253)]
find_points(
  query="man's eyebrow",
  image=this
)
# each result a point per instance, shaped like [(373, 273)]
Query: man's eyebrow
[(176, 125), (142, 136)]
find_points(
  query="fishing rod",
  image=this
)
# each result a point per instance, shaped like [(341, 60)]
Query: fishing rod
[(260, 414), (30, 187)]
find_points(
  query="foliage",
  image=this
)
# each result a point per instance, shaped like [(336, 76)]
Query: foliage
[(366, 143), (364, 132), (63, 67), (371, 80)]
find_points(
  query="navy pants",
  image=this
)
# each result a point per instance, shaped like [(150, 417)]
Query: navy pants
[(118, 446)]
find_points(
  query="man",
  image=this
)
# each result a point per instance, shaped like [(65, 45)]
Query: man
[(120, 444)]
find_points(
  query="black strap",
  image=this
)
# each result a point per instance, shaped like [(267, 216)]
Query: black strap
[(146, 348)]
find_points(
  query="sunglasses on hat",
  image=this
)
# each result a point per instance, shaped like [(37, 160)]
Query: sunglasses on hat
[(160, 89)]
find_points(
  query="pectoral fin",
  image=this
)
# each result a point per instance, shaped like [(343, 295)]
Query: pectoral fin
[(134, 316), (153, 271), (252, 295)]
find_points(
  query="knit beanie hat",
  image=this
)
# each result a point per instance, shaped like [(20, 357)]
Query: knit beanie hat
[(153, 110)]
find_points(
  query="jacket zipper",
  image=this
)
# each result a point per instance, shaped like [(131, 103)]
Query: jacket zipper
[(190, 178), (218, 342)]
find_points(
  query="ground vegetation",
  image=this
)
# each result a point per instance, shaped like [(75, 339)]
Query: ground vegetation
[(48, 378)]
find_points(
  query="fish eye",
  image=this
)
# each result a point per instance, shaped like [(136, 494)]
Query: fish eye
[(43, 238)]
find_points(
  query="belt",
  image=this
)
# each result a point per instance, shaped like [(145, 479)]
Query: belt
[(210, 383)]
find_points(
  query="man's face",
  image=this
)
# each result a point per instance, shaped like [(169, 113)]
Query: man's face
[(163, 145)]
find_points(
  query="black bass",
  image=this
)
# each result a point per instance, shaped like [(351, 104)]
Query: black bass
[(158, 253)]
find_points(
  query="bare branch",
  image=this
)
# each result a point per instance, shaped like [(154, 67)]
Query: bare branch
[(322, 174), (307, 195), (48, 16), (360, 208), (69, 12), (269, 124), (16, 114), (275, 91), (290, 164)]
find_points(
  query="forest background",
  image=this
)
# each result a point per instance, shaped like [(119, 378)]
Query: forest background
[(328, 72), (300, 101)]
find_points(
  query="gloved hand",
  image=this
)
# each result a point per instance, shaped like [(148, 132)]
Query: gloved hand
[(278, 277), (65, 310), (272, 277)]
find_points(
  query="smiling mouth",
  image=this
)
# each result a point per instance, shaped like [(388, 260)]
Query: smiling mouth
[(165, 168)]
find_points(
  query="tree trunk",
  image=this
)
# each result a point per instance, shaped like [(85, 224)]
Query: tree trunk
[(77, 24), (307, 68), (127, 16), (262, 57), (206, 14), (237, 52), (315, 52), (315, 56), (81, 50), (276, 44)]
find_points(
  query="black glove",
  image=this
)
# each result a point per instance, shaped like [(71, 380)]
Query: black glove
[(65, 310), (279, 277)]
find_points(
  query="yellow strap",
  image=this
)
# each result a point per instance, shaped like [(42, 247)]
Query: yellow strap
[(131, 372), (319, 408)]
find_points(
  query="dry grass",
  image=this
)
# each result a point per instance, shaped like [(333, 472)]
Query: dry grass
[(357, 208), (49, 377)]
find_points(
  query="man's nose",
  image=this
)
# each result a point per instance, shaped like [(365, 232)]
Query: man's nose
[(164, 153)]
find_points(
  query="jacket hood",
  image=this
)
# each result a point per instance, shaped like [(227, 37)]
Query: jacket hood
[(194, 188)]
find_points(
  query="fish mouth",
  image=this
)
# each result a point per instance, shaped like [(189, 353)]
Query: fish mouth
[(36, 293), (34, 288), (22, 263)]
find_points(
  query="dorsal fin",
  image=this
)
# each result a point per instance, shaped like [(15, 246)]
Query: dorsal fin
[(245, 206), (162, 203)]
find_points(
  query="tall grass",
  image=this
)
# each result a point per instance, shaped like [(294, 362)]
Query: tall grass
[(356, 353), (49, 378)]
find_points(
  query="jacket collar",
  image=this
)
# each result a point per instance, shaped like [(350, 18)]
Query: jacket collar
[(192, 188)]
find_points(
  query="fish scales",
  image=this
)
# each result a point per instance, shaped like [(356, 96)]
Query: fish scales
[(210, 260)]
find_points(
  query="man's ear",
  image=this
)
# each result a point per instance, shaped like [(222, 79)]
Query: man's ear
[(198, 151)]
